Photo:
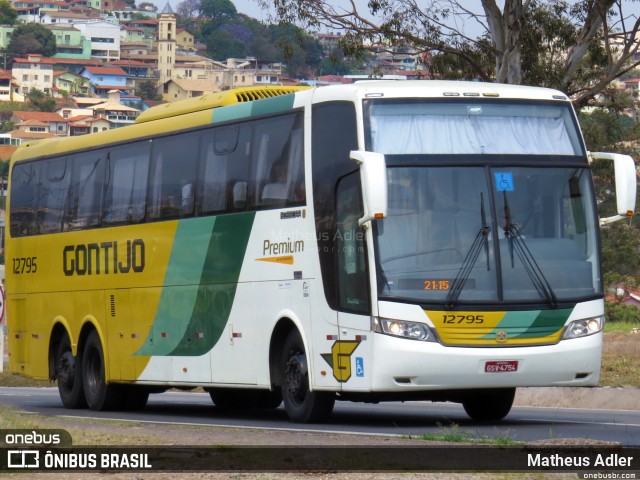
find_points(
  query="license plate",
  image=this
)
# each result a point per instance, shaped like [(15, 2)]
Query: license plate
[(501, 366)]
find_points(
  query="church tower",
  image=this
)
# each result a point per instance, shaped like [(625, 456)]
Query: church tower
[(166, 43)]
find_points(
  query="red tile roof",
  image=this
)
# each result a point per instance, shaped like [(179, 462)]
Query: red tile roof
[(41, 116), (106, 71)]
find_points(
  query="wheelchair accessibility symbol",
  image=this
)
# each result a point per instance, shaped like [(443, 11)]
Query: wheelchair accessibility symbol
[(504, 181), (359, 367)]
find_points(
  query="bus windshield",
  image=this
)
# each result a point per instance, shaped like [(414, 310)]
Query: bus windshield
[(480, 210), (471, 127), (488, 234)]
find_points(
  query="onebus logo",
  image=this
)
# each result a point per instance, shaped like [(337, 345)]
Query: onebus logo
[(104, 258)]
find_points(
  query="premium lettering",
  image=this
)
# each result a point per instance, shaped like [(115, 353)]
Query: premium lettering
[(280, 248), (104, 258)]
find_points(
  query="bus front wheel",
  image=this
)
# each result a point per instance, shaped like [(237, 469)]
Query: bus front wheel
[(99, 394), (489, 405), (301, 404), (69, 375)]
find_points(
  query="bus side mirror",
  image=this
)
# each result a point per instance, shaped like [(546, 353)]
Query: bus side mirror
[(626, 183), (373, 175)]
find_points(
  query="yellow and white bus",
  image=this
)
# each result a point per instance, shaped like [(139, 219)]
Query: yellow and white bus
[(367, 242)]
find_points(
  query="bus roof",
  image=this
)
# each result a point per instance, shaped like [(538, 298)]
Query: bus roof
[(214, 100)]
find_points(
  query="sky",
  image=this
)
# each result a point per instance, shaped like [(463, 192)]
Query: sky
[(251, 8)]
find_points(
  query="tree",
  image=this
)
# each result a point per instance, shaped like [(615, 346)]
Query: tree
[(188, 8), (217, 10), (147, 7), (576, 33), (147, 90), (8, 14), (32, 38)]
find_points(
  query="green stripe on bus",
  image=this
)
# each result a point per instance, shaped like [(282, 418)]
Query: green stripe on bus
[(273, 105), (218, 283), (180, 285), (201, 278), (531, 324), (232, 112)]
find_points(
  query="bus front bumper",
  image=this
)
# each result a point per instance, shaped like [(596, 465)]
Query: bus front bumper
[(410, 365)]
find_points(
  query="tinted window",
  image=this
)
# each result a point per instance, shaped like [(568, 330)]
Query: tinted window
[(24, 193), (53, 195), (173, 176), (334, 135), (278, 162), (84, 208), (126, 189), (226, 153)]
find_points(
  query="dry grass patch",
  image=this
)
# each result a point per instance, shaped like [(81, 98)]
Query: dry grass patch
[(621, 360)]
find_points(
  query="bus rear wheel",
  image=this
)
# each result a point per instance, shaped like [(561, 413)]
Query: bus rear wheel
[(301, 404), (99, 394), (489, 405), (69, 375)]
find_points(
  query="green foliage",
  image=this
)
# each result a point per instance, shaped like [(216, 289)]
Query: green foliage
[(222, 44), (217, 10), (32, 38), (621, 313), (147, 90), (42, 102), (8, 14)]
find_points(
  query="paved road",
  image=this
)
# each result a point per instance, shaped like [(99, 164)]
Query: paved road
[(394, 418)]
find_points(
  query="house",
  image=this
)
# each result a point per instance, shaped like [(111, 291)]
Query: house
[(185, 40), (55, 124), (79, 125), (176, 89), (35, 71), (63, 17), (104, 36), (71, 82), (70, 43), (104, 79), (117, 114), (6, 86)]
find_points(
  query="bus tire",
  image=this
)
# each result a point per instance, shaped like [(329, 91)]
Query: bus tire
[(301, 404), (489, 405), (69, 375), (99, 394)]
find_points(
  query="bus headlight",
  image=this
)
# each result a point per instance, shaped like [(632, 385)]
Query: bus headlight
[(583, 328), (404, 329)]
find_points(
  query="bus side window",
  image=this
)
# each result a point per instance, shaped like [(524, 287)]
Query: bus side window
[(126, 184), (85, 195), (24, 193), (174, 164), (278, 162), (224, 174), (353, 285), (53, 195)]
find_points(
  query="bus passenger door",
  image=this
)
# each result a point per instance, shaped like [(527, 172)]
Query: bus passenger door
[(352, 354)]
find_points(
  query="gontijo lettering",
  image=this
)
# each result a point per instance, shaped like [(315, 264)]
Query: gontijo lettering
[(104, 258)]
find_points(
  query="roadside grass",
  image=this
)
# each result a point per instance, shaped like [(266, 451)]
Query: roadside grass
[(83, 431), (454, 434), (620, 360), (620, 326)]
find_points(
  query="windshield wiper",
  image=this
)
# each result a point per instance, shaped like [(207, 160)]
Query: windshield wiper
[(517, 244), (470, 259)]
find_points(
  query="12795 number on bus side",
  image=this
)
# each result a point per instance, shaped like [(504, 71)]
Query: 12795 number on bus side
[(25, 265)]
